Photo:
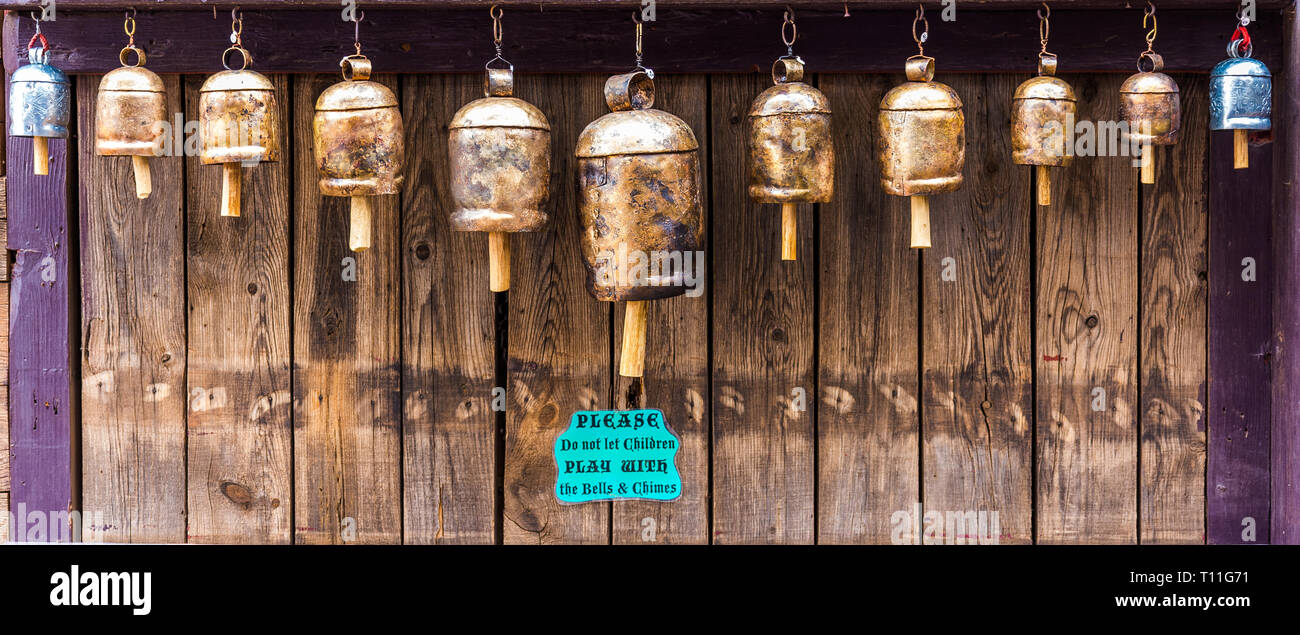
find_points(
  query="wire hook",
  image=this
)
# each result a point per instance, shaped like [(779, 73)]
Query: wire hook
[(925, 29), (788, 20), (1150, 13)]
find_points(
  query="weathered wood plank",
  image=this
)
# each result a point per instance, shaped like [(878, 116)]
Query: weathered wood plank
[(763, 346), (680, 40), (237, 272), (1284, 436), (42, 290), (448, 335), (677, 368), (133, 335), (346, 357), (559, 337), (1173, 335), (977, 336), (4, 388), (4, 517), (1240, 333), (867, 414), (1087, 349)]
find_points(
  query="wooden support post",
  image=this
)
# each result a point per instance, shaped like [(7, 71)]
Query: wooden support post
[(41, 340), (1285, 443)]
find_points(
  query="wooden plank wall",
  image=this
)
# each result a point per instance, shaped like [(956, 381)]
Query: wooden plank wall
[(1048, 364)]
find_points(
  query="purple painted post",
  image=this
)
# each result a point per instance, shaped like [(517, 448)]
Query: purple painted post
[(40, 349), (1286, 301), (1241, 332)]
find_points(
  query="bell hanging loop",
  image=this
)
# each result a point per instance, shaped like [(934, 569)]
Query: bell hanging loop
[(789, 39), (1150, 14), (925, 29)]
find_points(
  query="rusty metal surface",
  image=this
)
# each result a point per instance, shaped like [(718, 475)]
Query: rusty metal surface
[(1043, 109), (500, 178), (238, 118), (791, 149), (639, 195), (358, 139), (1149, 103), (130, 107), (922, 136)]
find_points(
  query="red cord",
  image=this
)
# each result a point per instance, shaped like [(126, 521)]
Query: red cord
[(1242, 37), (45, 44)]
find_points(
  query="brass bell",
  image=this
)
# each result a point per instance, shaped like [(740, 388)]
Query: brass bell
[(40, 102), (129, 111), (239, 123), (1043, 111), (359, 144), (791, 149), (500, 149), (638, 201), (922, 142), (1149, 104)]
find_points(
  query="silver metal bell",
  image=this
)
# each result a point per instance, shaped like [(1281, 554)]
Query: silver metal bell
[(40, 105), (1241, 99)]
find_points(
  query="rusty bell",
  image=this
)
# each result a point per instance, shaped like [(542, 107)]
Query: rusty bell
[(1042, 116), (40, 104), (239, 125), (922, 142), (791, 150), (1149, 106), (500, 152), (129, 111), (639, 205), (359, 143)]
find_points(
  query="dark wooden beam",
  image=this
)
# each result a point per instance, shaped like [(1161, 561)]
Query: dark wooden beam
[(934, 5), (1285, 451), (680, 40)]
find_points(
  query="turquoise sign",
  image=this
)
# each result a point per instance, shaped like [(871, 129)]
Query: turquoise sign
[(617, 455)]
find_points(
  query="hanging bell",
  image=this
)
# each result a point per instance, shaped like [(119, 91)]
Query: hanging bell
[(129, 110), (1241, 99), (1043, 110), (500, 149), (922, 142), (359, 143), (639, 200), (239, 125), (40, 103), (791, 153)]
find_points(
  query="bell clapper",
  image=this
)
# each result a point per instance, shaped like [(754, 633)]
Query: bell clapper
[(1240, 149), (499, 261), (1044, 185), (1148, 164), (230, 189), (359, 224), (632, 360), (143, 180), (789, 230), (920, 221), (41, 156)]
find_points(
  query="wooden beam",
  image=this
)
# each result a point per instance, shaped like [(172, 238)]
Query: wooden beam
[(540, 5), (680, 40), (1285, 438), (1238, 410), (40, 332)]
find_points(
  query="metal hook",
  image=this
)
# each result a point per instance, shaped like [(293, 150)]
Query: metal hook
[(788, 20), (1044, 27), (636, 17), (925, 33), (37, 21), (357, 17), (497, 14)]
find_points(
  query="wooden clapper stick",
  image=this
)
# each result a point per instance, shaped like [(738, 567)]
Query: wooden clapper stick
[(789, 230), (920, 221), (499, 261), (143, 179), (631, 362), (1240, 149), (40, 156)]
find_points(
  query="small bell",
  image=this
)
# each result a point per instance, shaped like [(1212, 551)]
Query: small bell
[(1043, 110), (922, 139), (1241, 95), (1149, 104), (129, 109), (791, 151), (639, 198), (500, 149), (40, 102), (359, 143), (239, 121)]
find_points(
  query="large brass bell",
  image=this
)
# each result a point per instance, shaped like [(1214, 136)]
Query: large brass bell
[(1149, 104), (129, 113), (922, 142), (638, 201), (791, 151), (359, 144), (239, 122), (500, 151), (1241, 95), (40, 102), (1043, 112)]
